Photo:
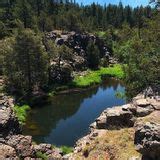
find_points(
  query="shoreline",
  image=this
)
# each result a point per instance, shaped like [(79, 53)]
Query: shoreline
[(120, 117)]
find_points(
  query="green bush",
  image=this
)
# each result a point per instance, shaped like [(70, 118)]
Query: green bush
[(41, 156), (93, 55), (21, 113)]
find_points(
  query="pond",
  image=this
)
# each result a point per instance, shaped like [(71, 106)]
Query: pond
[(67, 117)]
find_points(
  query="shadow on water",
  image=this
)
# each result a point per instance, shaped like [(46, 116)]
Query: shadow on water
[(68, 117)]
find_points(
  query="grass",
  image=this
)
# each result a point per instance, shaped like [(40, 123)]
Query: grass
[(112, 144), (95, 77), (21, 113), (66, 149)]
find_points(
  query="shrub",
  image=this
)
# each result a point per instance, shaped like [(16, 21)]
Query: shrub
[(66, 150), (41, 155), (21, 113)]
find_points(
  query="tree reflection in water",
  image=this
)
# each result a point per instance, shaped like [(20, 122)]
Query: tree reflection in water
[(68, 117)]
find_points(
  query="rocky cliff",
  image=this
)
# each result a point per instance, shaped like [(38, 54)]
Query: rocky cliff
[(77, 59)]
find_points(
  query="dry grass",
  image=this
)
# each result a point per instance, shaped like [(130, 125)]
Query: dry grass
[(112, 145)]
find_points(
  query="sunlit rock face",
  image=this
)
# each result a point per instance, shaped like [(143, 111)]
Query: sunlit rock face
[(8, 122)]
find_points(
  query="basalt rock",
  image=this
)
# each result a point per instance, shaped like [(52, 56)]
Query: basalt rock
[(116, 117), (9, 124), (61, 74), (48, 150), (24, 148), (147, 140), (78, 43), (125, 116), (7, 152), (119, 118), (22, 145)]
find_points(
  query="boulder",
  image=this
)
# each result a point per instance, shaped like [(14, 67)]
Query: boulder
[(7, 152), (79, 63), (118, 117), (101, 121), (142, 111), (22, 144), (59, 41), (155, 103), (52, 153), (142, 102), (55, 154), (129, 107), (147, 140), (44, 148), (9, 124)]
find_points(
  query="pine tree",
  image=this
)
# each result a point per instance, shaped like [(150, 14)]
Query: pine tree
[(93, 55), (28, 61)]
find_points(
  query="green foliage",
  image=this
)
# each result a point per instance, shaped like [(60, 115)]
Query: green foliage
[(3, 30), (101, 34), (93, 55), (47, 15), (95, 77), (122, 52), (21, 113), (5, 49), (66, 150), (141, 54), (28, 61), (41, 156)]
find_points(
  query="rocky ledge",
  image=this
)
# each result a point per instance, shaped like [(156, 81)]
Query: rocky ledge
[(14, 145), (142, 114)]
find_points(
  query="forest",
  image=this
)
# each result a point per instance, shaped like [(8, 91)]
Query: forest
[(131, 35)]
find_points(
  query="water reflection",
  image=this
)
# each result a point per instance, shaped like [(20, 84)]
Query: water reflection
[(68, 117)]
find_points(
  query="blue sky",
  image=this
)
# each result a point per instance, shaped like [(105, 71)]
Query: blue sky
[(132, 3)]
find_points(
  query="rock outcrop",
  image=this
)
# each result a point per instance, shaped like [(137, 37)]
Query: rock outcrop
[(116, 117), (7, 152), (9, 124), (147, 140), (76, 59), (77, 41), (125, 116)]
